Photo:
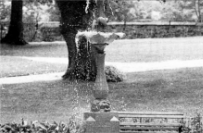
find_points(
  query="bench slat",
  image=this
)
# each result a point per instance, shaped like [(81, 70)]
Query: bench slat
[(150, 116), (133, 132), (149, 128), (144, 132), (153, 124), (150, 113), (150, 124)]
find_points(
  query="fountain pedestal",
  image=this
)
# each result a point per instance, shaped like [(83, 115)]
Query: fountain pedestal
[(100, 89), (101, 122), (100, 119)]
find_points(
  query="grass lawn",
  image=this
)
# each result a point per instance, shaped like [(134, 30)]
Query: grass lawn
[(167, 90), (172, 90), (12, 66)]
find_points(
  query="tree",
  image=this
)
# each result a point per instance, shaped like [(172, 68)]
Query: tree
[(4, 10), (199, 10), (192, 7), (121, 10), (15, 33), (77, 15)]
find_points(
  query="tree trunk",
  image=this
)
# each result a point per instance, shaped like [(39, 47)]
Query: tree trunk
[(15, 33), (81, 63), (199, 12)]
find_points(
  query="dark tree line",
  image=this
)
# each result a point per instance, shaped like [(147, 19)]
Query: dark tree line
[(15, 33)]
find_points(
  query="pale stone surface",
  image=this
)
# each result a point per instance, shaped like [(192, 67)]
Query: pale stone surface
[(103, 123)]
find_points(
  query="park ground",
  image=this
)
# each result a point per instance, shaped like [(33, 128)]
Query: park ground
[(175, 89)]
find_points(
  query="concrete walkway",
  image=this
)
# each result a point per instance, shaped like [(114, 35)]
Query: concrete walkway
[(122, 66), (133, 66), (31, 78)]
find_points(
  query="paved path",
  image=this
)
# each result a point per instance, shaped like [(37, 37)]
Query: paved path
[(122, 66), (133, 66), (31, 78)]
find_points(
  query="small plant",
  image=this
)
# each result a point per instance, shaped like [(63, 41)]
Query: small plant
[(114, 75), (73, 126), (76, 125), (197, 124)]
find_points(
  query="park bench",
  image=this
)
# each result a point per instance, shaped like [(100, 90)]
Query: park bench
[(151, 121)]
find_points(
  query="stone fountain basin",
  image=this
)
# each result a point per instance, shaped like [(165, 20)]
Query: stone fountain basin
[(95, 37)]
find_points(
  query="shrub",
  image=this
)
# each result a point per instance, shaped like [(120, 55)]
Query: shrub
[(73, 126), (194, 125), (50, 34), (77, 125), (114, 75), (29, 31), (197, 124)]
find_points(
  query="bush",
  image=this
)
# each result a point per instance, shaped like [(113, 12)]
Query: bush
[(197, 124), (77, 125), (157, 31), (50, 34), (73, 126), (114, 75), (194, 125), (29, 32)]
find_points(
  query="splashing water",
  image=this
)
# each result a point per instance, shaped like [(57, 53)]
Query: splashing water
[(76, 103), (87, 5)]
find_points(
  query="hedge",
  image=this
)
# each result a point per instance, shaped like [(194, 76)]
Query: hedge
[(51, 31)]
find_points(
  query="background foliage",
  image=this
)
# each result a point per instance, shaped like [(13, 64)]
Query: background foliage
[(131, 10), (37, 12)]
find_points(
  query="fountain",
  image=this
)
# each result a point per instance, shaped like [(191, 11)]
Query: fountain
[(100, 119)]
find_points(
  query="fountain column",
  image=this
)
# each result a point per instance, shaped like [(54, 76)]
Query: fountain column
[(100, 88)]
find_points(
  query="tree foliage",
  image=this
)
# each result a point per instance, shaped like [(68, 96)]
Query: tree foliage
[(168, 10), (40, 11), (192, 8), (33, 11), (123, 10), (5, 10)]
